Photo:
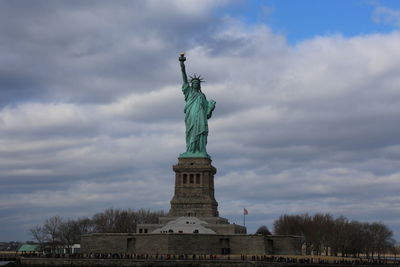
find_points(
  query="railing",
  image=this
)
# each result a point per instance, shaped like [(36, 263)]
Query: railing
[(185, 257)]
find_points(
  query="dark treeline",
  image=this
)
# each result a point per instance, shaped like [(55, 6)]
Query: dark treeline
[(57, 231), (325, 235)]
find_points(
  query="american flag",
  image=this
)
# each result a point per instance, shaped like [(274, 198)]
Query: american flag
[(245, 212)]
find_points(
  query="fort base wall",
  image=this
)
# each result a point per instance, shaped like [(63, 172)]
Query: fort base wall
[(198, 244)]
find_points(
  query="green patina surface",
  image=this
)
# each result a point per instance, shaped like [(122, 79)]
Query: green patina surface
[(197, 111)]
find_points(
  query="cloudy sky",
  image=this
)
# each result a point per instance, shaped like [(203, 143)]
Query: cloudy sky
[(307, 116)]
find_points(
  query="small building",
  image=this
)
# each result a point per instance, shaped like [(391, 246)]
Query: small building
[(29, 248), (73, 249)]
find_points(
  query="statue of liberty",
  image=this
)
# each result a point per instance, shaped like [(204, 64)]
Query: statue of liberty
[(197, 111)]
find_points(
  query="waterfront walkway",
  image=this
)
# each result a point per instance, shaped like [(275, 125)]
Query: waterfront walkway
[(190, 260)]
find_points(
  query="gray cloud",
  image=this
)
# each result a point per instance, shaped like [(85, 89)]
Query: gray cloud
[(91, 113), (76, 51)]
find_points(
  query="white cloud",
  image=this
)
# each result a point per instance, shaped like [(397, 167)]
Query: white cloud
[(387, 15), (35, 116)]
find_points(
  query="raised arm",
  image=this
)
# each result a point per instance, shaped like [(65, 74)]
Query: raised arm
[(182, 59)]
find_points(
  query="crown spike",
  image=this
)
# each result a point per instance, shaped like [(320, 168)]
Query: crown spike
[(195, 77)]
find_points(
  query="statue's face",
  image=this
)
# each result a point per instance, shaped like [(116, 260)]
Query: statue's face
[(196, 84)]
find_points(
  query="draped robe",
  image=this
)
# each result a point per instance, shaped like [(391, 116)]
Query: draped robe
[(197, 111)]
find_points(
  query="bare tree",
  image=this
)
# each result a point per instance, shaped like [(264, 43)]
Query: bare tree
[(70, 231), (289, 225), (294, 225), (84, 226), (338, 236), (104, 222), (67, 233), (52, 228), (382, 238), (126, 221), (322, 233), (123, 221), (38, 233), (321, 227), (263, 230), (355, 238), (147, 216)]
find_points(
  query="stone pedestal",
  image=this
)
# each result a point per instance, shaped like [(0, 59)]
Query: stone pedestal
[(194, 189), (192, 226)]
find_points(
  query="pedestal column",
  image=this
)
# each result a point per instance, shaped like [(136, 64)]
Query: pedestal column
[(194, 188)]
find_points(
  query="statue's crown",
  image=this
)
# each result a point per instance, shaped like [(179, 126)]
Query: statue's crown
[(198, 78)]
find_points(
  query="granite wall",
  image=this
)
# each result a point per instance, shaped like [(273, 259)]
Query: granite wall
[(190, 244)]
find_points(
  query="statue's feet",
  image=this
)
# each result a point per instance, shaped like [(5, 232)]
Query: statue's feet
[(194, 155)]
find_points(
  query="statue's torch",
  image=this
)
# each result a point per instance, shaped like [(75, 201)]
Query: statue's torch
[(182, 57)]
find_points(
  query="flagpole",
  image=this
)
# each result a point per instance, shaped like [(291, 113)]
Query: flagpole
[(245, 212)]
